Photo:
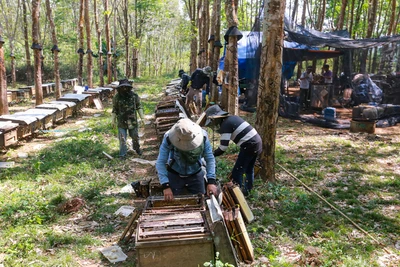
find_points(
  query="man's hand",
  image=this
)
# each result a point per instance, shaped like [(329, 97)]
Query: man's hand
[(212, 189), (168, 196)]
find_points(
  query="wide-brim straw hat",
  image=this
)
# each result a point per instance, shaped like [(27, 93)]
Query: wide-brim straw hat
[(186, 135), (215, 112)]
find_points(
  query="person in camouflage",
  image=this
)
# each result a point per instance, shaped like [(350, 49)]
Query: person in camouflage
[(126, 107)]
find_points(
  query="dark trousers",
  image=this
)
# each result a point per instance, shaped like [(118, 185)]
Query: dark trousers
[(194, 184), (245, 166), (304, 98)]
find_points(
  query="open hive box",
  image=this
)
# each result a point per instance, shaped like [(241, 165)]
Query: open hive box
[(174, 233)]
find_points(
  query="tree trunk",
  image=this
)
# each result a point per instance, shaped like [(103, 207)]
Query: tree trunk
[(3, 84), (269, 84), (191, 9), (36, 52), (135, 72), (55, 50), (13, 69), (26, 44), (230, 99), (340, 24), (98, 30), (372, 8), (89, 46), (108, 41), (126, 37), (216, 22), (388, 51), (114, 47), (80, 36)]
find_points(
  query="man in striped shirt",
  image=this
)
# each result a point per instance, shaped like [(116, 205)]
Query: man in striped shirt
[(234, 128)]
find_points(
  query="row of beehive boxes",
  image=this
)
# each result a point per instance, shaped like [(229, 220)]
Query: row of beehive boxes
[(16, 95), (24, 124)]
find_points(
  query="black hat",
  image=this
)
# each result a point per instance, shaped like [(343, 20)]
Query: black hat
[(124, 83), (181, 72)]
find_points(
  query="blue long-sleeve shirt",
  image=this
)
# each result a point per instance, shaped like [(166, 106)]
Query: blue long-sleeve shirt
[(166, 153)]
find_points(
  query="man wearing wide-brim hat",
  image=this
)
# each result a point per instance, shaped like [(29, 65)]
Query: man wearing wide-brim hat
[(126, 108), (179, 163), (234, 128)]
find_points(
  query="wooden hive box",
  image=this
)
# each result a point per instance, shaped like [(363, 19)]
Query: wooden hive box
[(14, 94), (47, 116), (27, 124), (71, 107), (173, 235), (81, 100), (9, 97), (8, 133), (362, 126), (60, 110), (29, 89)]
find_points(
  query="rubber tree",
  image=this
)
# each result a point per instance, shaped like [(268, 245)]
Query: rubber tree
[(37, 48), (89, 52), (80, 51), (231, 71), (269, 84), (3, 81), (55, 50)]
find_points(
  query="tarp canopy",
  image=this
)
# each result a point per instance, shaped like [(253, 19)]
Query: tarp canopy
[(336, 39), (249, 54)]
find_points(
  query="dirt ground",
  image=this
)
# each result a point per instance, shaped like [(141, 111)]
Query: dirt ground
[(149, 142), (149, 137)]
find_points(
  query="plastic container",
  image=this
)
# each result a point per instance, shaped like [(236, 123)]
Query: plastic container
[(329, 114)]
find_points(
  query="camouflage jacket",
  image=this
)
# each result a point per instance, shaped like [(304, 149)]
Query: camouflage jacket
[(126, 106)]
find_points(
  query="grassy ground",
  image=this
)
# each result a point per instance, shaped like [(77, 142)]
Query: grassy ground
[(358, 173)]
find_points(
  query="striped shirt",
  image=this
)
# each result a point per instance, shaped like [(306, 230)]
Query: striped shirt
[(240, 132)]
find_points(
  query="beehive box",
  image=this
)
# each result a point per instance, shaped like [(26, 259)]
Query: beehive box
[(46, 116), (177, 234), (71, 107), (81, 100), (27, 124), (362, 126), (60, 110), (8, 133)]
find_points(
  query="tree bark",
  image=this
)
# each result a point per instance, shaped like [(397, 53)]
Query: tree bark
[(108, 41), (89, 46), (80, 36), (3, 84), (98, 30), (216, 49), (36, 52), (372, 8), (191, 9), (388, 51), (126, 38), (230, 99), (269, 84), (55, 50), (26, 44)]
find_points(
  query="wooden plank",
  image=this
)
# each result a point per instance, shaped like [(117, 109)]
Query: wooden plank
[(97, 102)]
